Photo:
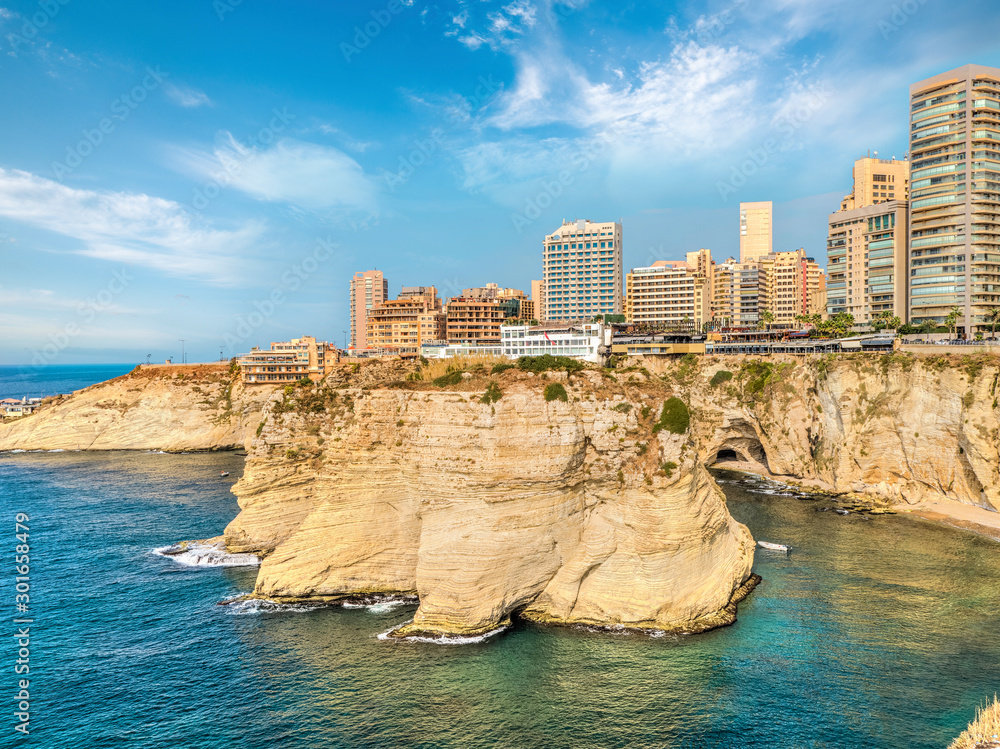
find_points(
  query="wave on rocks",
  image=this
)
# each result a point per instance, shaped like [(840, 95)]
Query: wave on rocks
[(441, 639), (240, 606), (201, 554)]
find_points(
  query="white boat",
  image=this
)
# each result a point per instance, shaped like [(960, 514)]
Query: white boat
[(773, 547)]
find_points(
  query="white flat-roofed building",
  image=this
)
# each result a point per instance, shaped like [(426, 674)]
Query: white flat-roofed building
[(579, 340)]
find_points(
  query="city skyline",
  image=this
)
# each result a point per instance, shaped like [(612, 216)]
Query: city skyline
[(177, 194)]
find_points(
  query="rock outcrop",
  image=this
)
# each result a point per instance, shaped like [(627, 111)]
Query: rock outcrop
[(568, 511), (178, 408), (894, 428)]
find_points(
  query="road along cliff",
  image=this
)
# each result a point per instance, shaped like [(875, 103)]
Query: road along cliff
[(562, 497)]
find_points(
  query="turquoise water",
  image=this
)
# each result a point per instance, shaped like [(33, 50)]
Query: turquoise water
[(35, 382), (880, 633)]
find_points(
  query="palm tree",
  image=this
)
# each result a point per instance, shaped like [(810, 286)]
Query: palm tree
[(767, 317), (992, 316), (951, 320)]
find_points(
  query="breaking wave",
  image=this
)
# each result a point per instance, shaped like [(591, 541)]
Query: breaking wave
[(206, 555)]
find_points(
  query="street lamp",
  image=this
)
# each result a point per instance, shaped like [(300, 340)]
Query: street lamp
[(183, 355)]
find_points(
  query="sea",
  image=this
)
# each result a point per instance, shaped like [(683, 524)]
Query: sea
[(870, 633), (26, 381)]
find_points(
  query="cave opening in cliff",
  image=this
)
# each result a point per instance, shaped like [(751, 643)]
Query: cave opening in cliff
[(725, 455)]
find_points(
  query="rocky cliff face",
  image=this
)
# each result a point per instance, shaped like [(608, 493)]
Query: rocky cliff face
[(568, 511), (196, 407), (894, 428)]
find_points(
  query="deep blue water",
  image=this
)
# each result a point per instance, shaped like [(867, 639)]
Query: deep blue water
[(18, 381), (871, 634)]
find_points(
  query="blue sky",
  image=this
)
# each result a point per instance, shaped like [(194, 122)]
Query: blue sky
[(216, 170)]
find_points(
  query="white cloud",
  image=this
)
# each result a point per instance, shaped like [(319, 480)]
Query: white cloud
[(502, 27), (301, 174), (131, 228), (5, 14), (187, 97)]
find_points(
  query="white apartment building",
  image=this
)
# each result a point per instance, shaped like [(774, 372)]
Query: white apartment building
[(582, 271)]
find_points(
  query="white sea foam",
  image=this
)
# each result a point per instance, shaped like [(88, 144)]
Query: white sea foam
[(206, 555), (441, 639), (252, 606), (16, 451), (58, 450)]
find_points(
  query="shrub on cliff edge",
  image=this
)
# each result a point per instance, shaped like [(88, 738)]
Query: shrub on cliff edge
[(452, 378), (675, 417), (547, 362), (492, 395), (555, 391)]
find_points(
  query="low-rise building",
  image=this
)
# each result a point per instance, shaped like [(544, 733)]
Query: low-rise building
[(288, 361), (579, 340), (474, 320)]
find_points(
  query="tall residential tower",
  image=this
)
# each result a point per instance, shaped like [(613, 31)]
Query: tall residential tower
[(756, 239), (368, 290), (955, 196)]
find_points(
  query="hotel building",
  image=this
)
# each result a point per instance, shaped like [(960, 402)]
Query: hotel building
[(668, 294), (789, 285), (582, 270), (403, 324), (756, 237), (955, 196), (368, 290)]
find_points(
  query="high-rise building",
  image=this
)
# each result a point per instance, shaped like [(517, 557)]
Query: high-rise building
[(368, 290), (756, 238), (538, 297), (405, 323), (582, 271), (866, 243), (790, 284), (878, 181), (866, 261), (955, 196), (668, 294), (736, 294)]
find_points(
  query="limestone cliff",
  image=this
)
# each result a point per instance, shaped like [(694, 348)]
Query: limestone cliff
[(193, 407), (487, 499), (897, 428)]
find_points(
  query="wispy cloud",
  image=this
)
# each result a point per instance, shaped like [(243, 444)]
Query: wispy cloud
[(294, 172), (186, 96), (131, 228)]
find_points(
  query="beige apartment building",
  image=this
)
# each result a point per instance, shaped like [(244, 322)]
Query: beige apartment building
[(878, 181), (405, 323), (582, 270), (756, 237), (538, 297), (866, 243), (954, 229), (288, 361), (368, 290), (866, 262), (790, 284), (474, 320), (668, 294)]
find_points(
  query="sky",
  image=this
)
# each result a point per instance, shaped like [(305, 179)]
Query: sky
[(215, 171)]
